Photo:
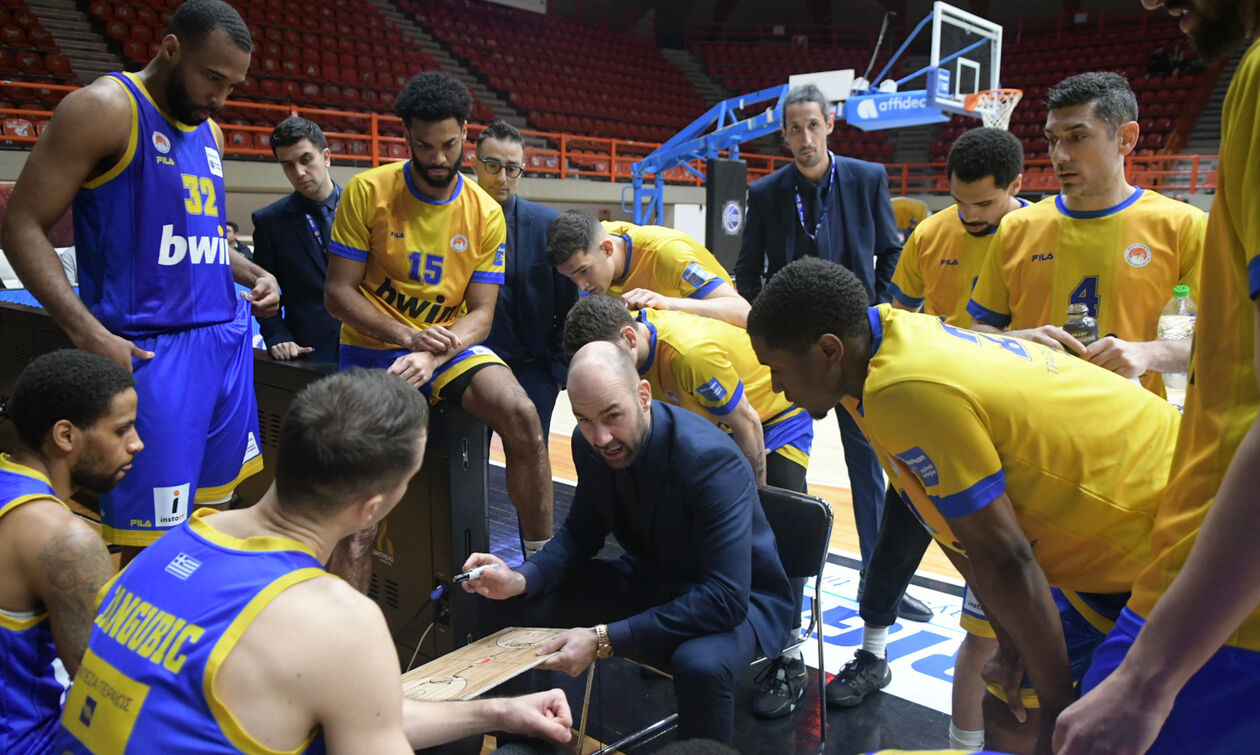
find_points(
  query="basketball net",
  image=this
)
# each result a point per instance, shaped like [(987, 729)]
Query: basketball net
[(994, 105)]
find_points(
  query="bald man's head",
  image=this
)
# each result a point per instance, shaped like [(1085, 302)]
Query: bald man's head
[(613, 406)]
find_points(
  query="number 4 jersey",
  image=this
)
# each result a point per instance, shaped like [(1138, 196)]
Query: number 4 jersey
[(1122, 262), (152, 253)]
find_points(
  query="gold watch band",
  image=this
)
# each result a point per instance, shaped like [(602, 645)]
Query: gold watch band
[(603, 644)]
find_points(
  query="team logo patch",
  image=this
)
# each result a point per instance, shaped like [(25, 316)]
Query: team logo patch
[(732, 217), (459, 243), (161, 142), (183, 566), (251, 447), (499, 255), (672, 396), (695, 275), (212, 160), (921, 465), (1138, 255), (712, 390), (170, 504)]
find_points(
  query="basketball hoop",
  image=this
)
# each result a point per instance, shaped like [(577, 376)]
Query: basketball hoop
[(995, 105)]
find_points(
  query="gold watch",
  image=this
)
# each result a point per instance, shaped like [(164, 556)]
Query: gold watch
[(603, 645)]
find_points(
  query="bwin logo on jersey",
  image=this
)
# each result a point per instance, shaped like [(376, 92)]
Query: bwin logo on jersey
[(712, 390), (205, 250)]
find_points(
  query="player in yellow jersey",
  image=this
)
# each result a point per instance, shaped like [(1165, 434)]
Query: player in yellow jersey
[(1116, 248), (74, 414), (1190, 637), (415, 265), (935, 273), (647, 266), (942, 258), (708, 367), (977, 431)]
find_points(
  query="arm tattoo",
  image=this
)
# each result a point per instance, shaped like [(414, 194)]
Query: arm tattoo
[(75, 565)]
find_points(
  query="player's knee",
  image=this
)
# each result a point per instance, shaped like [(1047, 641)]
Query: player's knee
[(518, 419)]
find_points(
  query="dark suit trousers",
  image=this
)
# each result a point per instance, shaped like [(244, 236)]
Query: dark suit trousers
[(898, 551), (705, 668), (535, 377)]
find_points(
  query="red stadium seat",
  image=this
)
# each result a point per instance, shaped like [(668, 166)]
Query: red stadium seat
[(59, 65), (18, 127), (142, 33), (124, 12), (31, 63), (101, 11), (13, 35)]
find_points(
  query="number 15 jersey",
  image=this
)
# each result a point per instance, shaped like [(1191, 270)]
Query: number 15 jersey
[(421, 254)]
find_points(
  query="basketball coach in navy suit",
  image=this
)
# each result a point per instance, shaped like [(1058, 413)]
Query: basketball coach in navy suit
[(700, 590), (291, 242), (836, 208), (534, 298)]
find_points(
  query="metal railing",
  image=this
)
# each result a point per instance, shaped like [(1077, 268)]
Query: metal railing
[(370, 139)]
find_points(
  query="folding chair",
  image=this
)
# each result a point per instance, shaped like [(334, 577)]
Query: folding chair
[(802, 534)]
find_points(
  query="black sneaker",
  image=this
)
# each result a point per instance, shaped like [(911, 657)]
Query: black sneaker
[(780, 686), (860, 677)]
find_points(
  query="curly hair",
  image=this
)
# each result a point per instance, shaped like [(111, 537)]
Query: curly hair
[(805, 300), (66, 384), (433, 96), (986, 152), (194, 20)]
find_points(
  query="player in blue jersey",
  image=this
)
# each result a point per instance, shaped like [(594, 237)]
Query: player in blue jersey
[(228, 636), (142, 163), (74, 414)]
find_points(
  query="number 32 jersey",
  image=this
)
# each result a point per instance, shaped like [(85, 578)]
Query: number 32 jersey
[(152, 253), (420, 254)]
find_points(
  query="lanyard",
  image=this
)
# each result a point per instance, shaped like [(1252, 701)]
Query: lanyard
[(822, 206), (319, 237)]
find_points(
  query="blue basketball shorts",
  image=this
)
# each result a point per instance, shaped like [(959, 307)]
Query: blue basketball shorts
[(1215, 712), (464, 363), (198, 420)]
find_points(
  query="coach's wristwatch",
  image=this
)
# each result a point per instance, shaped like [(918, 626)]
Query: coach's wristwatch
[(603, 645)]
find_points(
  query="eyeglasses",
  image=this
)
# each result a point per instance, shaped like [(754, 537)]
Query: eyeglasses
[(493, 166)]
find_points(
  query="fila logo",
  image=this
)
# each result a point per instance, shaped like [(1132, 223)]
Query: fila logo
[(950, 263), (1043, 257), (204, 250)]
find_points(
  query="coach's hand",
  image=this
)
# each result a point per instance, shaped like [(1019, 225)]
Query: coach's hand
[(1125, 358), (1118, 717), (114, 348), (288, 350), (416, 368), (642, 298), (1052, 336), (542, 714), (497, 581), (1006, 668), (575, 651), (265, 296), (434, 339)]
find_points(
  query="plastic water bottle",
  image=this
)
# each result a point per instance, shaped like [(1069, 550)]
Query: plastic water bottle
[(1080, 325), (1176, 323)]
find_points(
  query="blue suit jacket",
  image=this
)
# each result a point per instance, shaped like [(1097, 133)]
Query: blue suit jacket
[(285, 247), (709, 545), (866, 228), (534, 298)]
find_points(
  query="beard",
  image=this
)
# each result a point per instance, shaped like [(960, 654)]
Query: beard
[(97, 482), (1218, 31), (180, 101), (988, 228), (438, 183)]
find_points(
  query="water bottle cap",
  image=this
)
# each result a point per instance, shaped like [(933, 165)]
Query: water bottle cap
[(1182, 290)]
